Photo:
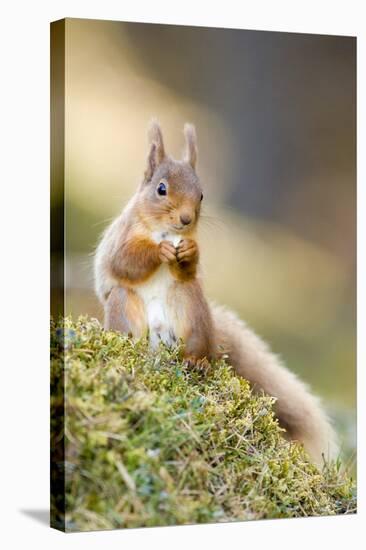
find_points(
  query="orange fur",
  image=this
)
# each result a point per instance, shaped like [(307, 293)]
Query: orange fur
[(135, 260)]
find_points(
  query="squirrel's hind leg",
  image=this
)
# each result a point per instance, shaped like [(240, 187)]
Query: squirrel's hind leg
[(124, 312), (193, 324)]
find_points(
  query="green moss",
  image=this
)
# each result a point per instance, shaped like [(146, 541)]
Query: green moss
[(149, 441)]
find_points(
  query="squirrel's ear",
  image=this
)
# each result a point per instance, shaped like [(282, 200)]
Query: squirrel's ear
[(191, 151), (156, 151)]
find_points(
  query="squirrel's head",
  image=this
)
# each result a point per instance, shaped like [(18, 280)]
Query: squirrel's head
[(170, 196)]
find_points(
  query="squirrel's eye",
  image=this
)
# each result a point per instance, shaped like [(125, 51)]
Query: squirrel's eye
[(201, 196), (161, 188)]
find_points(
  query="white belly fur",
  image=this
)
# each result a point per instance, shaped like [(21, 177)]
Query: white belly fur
[(154, 294)]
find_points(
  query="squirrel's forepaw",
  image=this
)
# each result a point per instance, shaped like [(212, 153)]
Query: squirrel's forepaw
[(187, 251), (200, 364), (167, 252)]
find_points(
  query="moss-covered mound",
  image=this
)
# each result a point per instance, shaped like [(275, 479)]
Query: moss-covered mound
[(149, 441)]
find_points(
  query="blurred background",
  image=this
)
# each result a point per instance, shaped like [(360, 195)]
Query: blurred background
[(276, 120)]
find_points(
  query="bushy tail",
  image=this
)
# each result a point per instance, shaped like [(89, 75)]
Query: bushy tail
[(298, 411)]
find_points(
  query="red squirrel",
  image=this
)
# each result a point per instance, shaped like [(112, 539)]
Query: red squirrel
[(148, 279)]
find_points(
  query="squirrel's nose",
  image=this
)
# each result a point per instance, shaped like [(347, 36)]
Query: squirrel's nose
[(185, 219)]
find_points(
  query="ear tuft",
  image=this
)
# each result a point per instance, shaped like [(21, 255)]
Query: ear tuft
[(191, 144), (156, 152)]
